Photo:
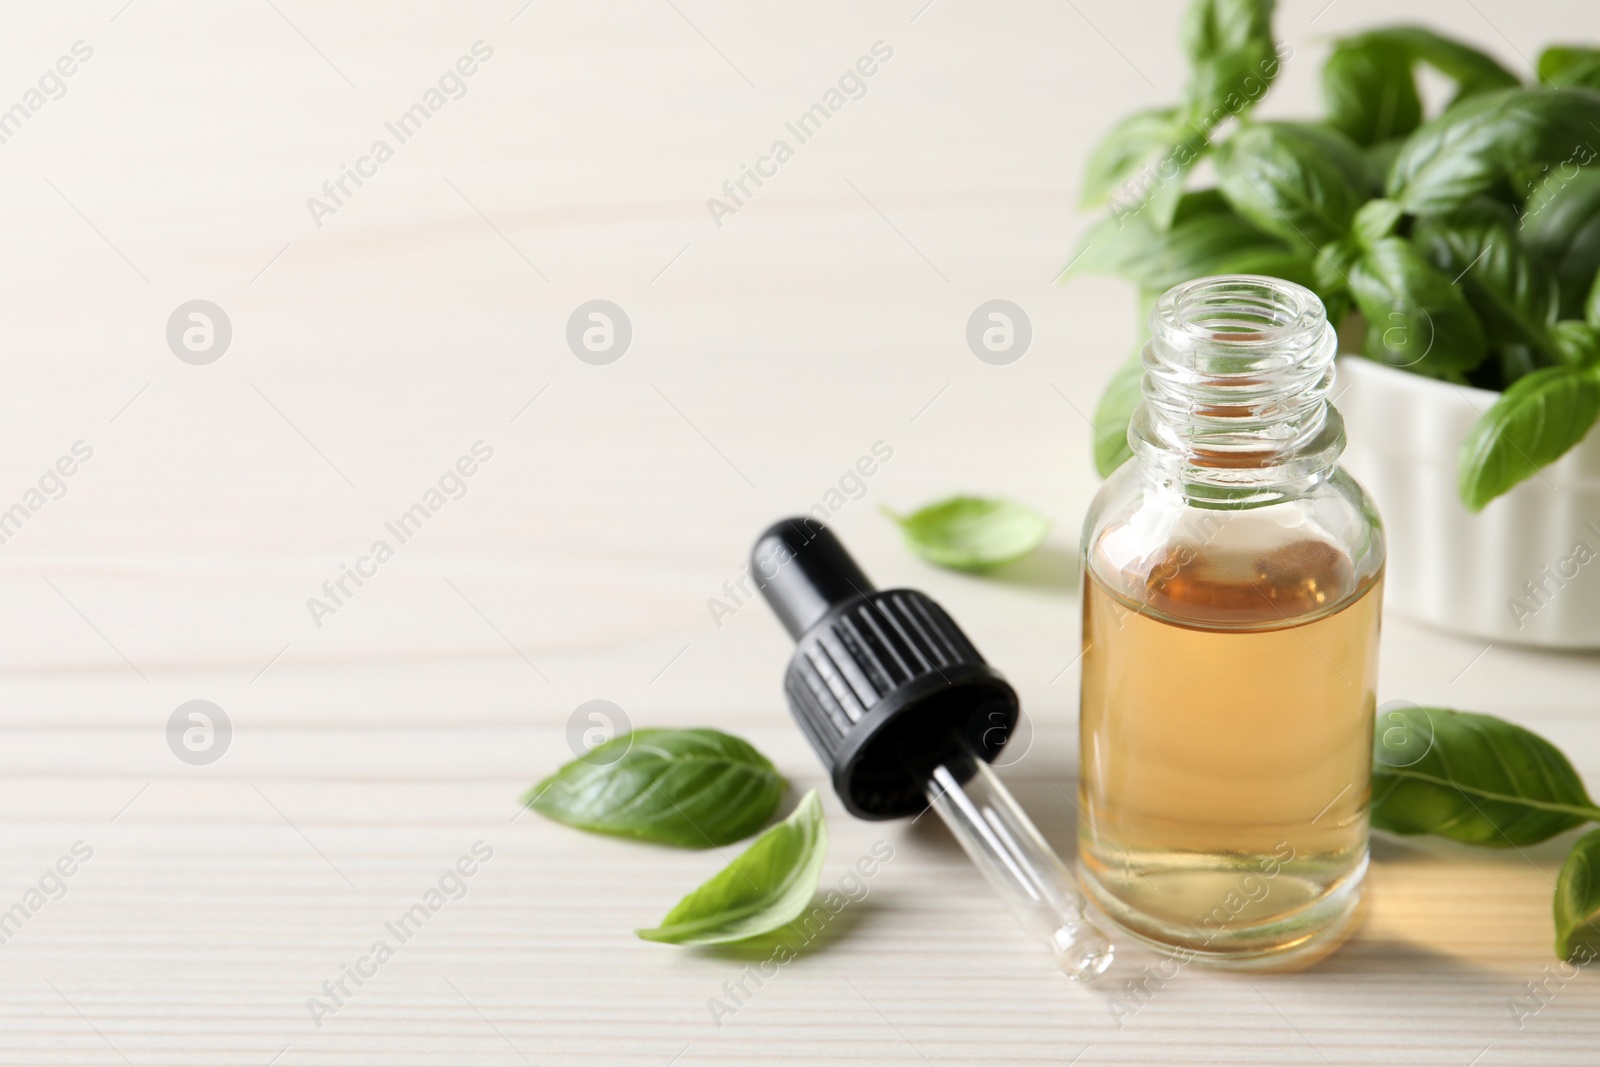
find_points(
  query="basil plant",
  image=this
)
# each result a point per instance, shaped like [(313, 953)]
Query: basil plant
[(1462, 246)]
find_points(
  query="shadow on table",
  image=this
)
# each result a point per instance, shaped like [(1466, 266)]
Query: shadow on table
[(1050, 569)]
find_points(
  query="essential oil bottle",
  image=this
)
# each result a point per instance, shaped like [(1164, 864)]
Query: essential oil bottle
[(1233, 575)]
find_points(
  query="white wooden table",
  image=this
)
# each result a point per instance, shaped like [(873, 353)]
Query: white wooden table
[(428, 312)]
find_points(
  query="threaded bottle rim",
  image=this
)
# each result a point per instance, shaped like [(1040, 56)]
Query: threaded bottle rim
[(1237, 374)]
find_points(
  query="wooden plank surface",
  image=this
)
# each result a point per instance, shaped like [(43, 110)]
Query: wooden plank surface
[(371, 752)]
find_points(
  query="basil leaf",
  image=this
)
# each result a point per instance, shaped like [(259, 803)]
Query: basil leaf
[(1120, 152), (1282, 177), (1478, 245), (1230, 85), (1232, 60), (1512, 361), (1577, 343), (1122, 394), (1200, 202), (1471, 778), (1375, 220), (1200, 242), (1335, 260), (1570, 65), (766, 886), (1470, 148), (1561, 225), (1369, 90), (969, 533), (1212, 28), (1537, 419), (693, 788), (1577, 903), (1416, 319), (1349, 157), (1473, 71)]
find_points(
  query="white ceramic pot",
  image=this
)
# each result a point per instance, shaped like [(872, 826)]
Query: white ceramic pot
[(1525, 570)]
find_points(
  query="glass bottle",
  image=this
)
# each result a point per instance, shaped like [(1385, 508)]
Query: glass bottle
[(1232, 585)]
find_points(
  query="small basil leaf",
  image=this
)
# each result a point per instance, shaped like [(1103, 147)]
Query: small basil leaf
[(1570, 65), (1122, 394), (969, 533), (693, 788), (1369, 90), (1212, 28), (1282, 178), (1125, 146), (1535, 421), (1472, 147), (1478, 245), (1416, 319), (1561, 225), (1473, 71), (1376, 220), (1577, 343), (766, 886), (1577, 902), (1471, 778)]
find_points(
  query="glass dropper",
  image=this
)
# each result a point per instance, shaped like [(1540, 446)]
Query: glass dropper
[(1019, 864)]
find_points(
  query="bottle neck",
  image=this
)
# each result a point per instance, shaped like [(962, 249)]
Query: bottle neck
[(1236, 380)]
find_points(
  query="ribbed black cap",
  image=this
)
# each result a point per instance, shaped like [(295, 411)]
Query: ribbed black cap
[(883, 683)]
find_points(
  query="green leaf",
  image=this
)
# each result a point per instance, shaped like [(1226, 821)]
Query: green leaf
[(1200, 202), (1532, 425), (1230, 85), (1335, 260), (1577, 902), (1123, 393), (969, 533), (1380, 157), (1479, 246), (1473, 71), (1375, 220), (767, 885), (1232, 59), (1201, 241), (1471, 778), (1127, 145), (1158, 203), (1577, 343), (1469, 149), (1369, 90), (694, 788), (1561, 226), (1570, 65), (1416, 319), (1283, 178), (1211, 28)]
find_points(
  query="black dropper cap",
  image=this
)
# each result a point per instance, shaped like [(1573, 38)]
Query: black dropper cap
[(885, 686)]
